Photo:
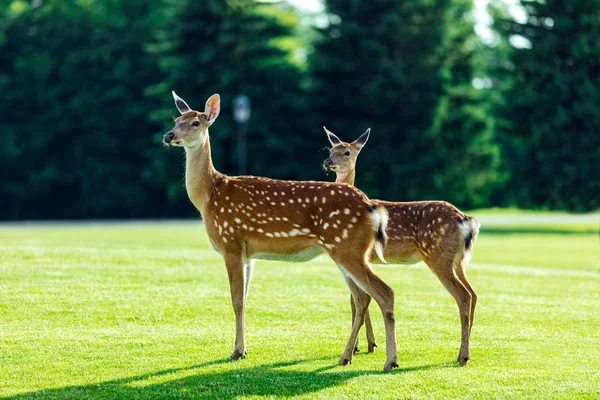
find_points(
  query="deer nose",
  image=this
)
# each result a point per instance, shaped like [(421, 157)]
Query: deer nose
[(168, 137), (328, 162)]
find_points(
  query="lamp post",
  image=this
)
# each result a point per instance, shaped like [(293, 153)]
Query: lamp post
[(241, 115)]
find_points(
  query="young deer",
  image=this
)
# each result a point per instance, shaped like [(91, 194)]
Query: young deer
[(249, 218), (435, 232)]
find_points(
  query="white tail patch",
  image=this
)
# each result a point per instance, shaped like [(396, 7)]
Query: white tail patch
[(470, 229), (466, 228), (379, 217)]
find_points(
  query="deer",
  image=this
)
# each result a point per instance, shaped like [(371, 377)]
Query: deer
[(250, 218), (435, 232)]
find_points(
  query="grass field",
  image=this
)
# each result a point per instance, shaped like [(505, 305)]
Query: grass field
[(128, 311)]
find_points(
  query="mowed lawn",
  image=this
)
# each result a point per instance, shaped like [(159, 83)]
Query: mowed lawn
[(142, 310)]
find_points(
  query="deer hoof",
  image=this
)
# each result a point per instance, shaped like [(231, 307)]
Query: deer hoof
[(463, 361), (236, 355), (344, 361), (372, 347), (388, 367), (356, 350)]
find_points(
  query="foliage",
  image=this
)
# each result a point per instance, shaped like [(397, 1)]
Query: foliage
[(228, 47), (549, 113), (73, 112), (120, 311), (86, 97), (405, 69)]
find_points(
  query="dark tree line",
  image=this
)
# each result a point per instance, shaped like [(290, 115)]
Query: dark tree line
[(85, 97)]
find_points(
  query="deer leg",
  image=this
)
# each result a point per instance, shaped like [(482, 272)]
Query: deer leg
[(353, 308), (365, 278), (235, 271), (248, 271), (370, 334), (371, 342), (461, 274), (445, 273), (360, 304)]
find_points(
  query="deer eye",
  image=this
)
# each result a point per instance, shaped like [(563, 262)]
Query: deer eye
[(196, 123), (347, 153)]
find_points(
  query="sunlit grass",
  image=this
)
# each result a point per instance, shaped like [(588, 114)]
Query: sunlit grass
[(143, 311)]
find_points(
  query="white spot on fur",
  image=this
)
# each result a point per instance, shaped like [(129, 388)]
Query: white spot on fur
[(325, 225), (269, 234), (347, 211)]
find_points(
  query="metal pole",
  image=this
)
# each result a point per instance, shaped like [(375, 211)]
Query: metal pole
[(242, 149)]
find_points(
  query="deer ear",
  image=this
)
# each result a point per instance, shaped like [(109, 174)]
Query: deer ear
[(334, 140), (181, 105), (362, 140), (212, 108)]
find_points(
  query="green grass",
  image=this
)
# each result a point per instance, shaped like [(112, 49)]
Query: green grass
[(143, 311)]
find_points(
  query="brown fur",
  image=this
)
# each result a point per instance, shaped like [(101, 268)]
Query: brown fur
[(429, 231), (249, 218)]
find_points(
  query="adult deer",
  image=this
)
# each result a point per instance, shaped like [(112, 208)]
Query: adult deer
[(435, 232), (249, 218)]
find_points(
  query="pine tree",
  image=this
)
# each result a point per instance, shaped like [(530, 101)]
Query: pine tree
[(551, 95), (404, 69), (232, 47), (73, 111)]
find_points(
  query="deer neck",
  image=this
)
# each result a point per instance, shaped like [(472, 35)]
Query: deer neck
[(345, 177), (200, 174)]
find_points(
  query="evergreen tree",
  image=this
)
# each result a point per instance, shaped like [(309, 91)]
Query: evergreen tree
[(404, 69), (233, 47), (549, 116), (73, 113)]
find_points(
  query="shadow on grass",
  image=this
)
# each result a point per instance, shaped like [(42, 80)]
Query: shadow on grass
[(271, 380)]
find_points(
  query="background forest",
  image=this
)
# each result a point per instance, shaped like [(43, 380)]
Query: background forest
[(503, 112)]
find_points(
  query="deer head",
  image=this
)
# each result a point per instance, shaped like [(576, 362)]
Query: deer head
[(191, 128), (342, 155)]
